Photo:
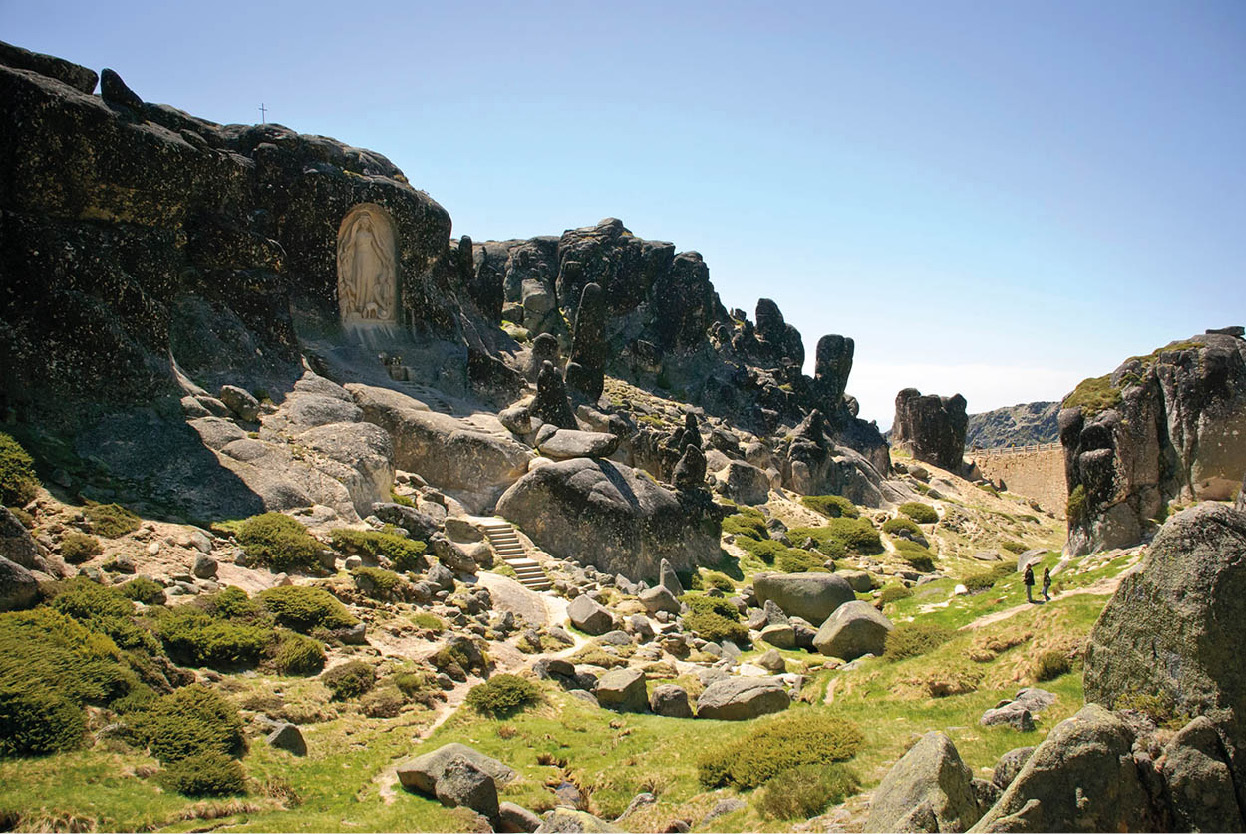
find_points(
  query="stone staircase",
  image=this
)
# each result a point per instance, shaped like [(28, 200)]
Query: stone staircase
[(507, 545)]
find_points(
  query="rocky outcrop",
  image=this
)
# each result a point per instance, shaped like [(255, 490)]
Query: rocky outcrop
[(810, 596), (622, 690), (1026, 424), (739, 699), (812, 463), (587, 366), (423, 772), (1174, 628), (609, 515), (1171, 425), (931, 427), (929, 789), (853, 629), (18, 587)]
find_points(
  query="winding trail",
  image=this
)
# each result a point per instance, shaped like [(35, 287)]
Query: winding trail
[(1101, 587)]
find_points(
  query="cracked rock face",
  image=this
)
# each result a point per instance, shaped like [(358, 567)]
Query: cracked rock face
[(931, 427)]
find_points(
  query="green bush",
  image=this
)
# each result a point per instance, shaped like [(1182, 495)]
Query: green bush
[(1050, 665), (404, 554), (44, 648), (298, 655), (193, 637), (804, 792), (35, 722), (765, 549), (349, 680), (913, 639), (823, 539), (377, 583), (831, 506), (901, 527), (746, 525), (383, 702), (985, 580), (715, 627), (919, 512), (701, 604), (112, 521), (188, 722), (232, 603), (303, 608), (210, 773), (503, 695), (799, 561), (717, 579), (1076, 504), (840, 536), (1093, 395), (1015, 548), (417, 687), (77, 548), (101, 609), (893, 592), (777, 746), (428, 621), (918, 557), (279, 542), (143, 589), (18, 484)]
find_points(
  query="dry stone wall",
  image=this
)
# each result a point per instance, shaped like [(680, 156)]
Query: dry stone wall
[(1038, 475)]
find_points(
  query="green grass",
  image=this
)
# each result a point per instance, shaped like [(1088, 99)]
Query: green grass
[(1093, 395), (18, 484), (919, 512), (831, 506)]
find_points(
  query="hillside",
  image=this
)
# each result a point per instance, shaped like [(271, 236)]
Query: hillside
[(1026, 424)]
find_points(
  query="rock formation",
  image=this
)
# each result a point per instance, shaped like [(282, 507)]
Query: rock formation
[(1019, 425), (587, 366), (931, 427), (1160, 427)]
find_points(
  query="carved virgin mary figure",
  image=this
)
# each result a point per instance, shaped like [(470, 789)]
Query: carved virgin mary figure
[(367, 279)]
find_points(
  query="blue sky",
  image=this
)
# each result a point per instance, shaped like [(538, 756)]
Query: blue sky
[(992, 198)]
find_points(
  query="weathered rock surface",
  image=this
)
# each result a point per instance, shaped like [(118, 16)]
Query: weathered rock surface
[(929, 789), (1019, 425), (1081, 778), (814, 462), (810, 596), (931, 427), (462, 783), (853, 629), (18, 587), (16, 543), (609, 515), (589, 616), (1197, 772), (1175, 433), (516, 819), (744, 483), (423, 772), (1009, 765), (1175, 627), (622, 690), (739, 699), (671, 701), (288, 737), (569, 821), (565, 444)]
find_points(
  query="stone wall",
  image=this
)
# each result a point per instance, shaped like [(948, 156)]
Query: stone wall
[(1038, 475)]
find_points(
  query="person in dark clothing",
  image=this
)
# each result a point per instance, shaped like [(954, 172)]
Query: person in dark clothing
[(1046, 584), (1029, 583)]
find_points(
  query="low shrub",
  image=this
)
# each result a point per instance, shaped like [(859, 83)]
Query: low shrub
[(916, 638), (383, 702), (279, 542), (840, 536), (1015, 548), (1076, 504), (298, 655), (143, 589), (101, 609), (799, 561), (45, 649), (232, 603), (831, 506), (210, 773), (823, 539), (18, 484), (746, 525), (503, 695), (349, 680), (1050, 665), (112, 521), (77, 548), (1160, 708), (377, 583), (403, 553), (188, 722), (428, 621), (37, 721), (777, 746), (804, 792), (193, 637), (918, 557), (715, 627), (894, 591), (904, 527), (919, 512), (304, 608), (701, 604), (417, 687), (765, 549), (985, 580), (717, 579)]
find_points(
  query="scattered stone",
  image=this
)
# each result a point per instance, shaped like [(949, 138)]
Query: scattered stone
[(658, 599), (462, 783), (722, 808), (739, 699), (744, 483), (1013, 714), (18, 587), (516, 819), (589, 616), (16, 543), (671, 701), (1009, 765), (423, 772), (1200, 781), (623, 690), (569, 821), (585, 696), (564, 444), (856, 628), (779, 635), (669, 580), (240, 402), (518, 420), (204, 567), (810, 596), (929, 789), (288, 737), (772, 661)]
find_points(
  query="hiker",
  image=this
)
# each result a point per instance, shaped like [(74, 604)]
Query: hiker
[(1029, 583), (1046, 584)]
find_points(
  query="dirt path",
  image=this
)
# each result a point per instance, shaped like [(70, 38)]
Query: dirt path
[(1102, 587)]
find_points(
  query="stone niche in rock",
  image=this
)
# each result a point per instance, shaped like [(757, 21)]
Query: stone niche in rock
[(367, 272)]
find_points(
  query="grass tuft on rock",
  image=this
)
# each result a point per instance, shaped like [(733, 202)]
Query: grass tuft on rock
[(112, 521)]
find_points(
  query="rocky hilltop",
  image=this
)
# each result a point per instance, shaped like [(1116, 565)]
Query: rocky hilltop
[(1160, 428), (1027, 424)]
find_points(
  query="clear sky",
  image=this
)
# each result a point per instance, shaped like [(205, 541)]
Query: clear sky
[(995, 198)]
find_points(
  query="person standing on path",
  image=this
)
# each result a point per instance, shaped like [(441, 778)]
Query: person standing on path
[(1029, 583), (1046, 584)]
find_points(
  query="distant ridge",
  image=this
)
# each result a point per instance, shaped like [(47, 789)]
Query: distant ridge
[(1018, 425)]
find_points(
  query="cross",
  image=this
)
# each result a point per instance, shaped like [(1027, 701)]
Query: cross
[(263, 113)]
